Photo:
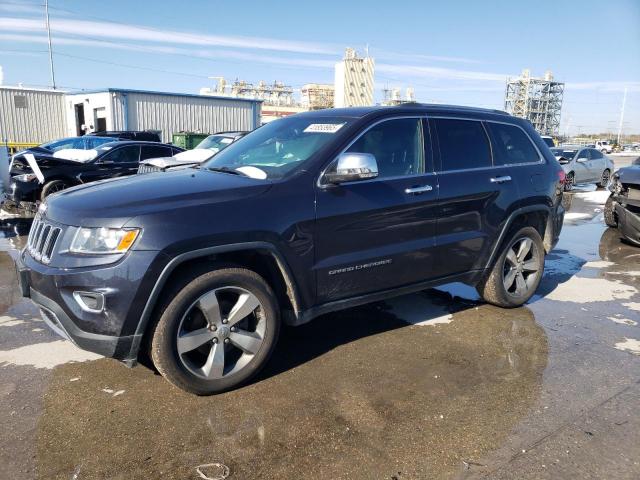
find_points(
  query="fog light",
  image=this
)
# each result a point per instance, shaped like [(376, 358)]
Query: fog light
[(90, 301)]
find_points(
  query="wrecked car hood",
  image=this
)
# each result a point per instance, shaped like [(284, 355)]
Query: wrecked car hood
[(630, 174)]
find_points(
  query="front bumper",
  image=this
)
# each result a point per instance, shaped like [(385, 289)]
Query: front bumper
[(628, 223), (125, 286), (22, 191)]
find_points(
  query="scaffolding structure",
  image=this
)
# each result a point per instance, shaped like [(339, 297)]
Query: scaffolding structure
[(393, 96), (539, 100), (276, 93), (316, 96)]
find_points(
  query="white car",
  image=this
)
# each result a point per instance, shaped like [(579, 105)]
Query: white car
[(604, 146), (584, 165)]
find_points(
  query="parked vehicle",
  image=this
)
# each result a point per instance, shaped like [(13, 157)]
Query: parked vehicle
[(308, 214), (583, 165), (548, 140), (622, 210), (139, 135), (206, 149), (66, 168), (604, 146)]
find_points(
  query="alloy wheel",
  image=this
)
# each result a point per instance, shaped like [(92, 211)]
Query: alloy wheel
[(221, 332), (569, 182), (521, 267), (606, 175)]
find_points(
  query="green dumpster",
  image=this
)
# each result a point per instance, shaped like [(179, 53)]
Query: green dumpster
[(188, 140)]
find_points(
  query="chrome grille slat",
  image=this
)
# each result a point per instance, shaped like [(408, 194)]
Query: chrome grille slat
[(42, 239)]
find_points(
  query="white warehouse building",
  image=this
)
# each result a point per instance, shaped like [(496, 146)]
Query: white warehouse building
[(32, 116), (168, 113)]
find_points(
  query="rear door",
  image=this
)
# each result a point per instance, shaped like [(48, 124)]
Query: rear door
[(378, 234), (474, 195)]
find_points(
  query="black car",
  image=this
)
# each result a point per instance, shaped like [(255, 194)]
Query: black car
[(622, 209), (140, 135), (69, 167), (308, 214)]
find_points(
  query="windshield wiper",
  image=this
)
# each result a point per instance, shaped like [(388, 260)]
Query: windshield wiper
[(227, 170)]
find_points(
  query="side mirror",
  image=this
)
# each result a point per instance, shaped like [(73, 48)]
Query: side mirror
[(582, 159), (352, 167)]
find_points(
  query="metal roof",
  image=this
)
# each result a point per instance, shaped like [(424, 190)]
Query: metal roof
[(170, 94)]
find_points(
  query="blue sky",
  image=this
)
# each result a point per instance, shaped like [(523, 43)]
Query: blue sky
[(455, 51)]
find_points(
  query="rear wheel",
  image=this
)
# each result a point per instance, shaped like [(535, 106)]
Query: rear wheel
[(569, 181), (605, 178), (610, 217), (217, 332), (517, 273), (52, 187)]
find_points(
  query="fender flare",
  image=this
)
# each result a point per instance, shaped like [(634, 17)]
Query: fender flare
[(203, 252), (505, 228)]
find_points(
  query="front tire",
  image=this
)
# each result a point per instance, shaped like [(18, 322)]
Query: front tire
[(569, 181), (217, 332), (610, 217), (516, 274), (52, 187), (605, 178)]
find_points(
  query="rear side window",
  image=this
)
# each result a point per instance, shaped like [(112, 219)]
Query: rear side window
[(126, 154), (463, 144), (397, 146), (511, 145), (154, 152)]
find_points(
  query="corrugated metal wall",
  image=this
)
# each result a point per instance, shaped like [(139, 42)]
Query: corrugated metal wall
[(31, 116), (176, 113)]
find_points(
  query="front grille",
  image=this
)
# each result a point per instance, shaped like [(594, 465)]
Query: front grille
[(42, 239), (145, 168)]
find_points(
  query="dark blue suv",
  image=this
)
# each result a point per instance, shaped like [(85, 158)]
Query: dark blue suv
[(309, 214)]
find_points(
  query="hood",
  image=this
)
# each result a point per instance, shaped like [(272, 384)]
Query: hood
[(164, 162), (43, 160), (196, 155), (114, 202), (630, 174)]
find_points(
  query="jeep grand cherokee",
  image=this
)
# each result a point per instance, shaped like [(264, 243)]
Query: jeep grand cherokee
[(309, 214)]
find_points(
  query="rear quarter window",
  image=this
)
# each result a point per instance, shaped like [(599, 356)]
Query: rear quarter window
[(463, 144), (511, 145)]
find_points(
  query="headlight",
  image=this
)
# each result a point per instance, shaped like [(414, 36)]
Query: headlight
[(103, 240), (26, 177)]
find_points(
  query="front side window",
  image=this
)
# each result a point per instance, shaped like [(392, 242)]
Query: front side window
[(463, 144), (126, 154), (154, 151), (583, 154), (397, 146), (279, 147), (595, 154), (512, 145)]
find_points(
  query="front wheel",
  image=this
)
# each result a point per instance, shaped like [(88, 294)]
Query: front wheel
[(52, 187), (516, 274), (569, 181), (217, 332), (604, 179), (610, 217)]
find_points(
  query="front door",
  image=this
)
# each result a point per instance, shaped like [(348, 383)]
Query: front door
[(378, 234), (474, 196), (581, 166), (120, 161)]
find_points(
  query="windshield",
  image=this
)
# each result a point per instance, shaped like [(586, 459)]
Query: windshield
[(215, 142), (63, 143), (565, 153), (548, 141), (277, 148)]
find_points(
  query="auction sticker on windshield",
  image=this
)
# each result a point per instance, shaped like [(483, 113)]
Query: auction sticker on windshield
[(323, 127)]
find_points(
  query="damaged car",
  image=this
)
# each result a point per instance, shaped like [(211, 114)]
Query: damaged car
[(622, 210), (35, 176)]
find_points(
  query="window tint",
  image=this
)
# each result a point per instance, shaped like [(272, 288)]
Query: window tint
[(595, 154), (463, 144), (512, 145), (127, 154), (584, 153), (154, 152), (397, 146)]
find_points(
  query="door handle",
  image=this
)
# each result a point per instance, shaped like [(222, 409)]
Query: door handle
[(422, 189), (503, 179)]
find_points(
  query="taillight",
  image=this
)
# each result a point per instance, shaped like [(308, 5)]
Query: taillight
[(561, 175)]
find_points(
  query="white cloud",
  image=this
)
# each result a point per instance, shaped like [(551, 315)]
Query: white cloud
[(439, 72), (613, 86), (147, 34)]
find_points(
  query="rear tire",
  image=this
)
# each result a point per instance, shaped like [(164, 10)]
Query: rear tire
[(610, 217), (517, 272), (235, 347), (52, 187)]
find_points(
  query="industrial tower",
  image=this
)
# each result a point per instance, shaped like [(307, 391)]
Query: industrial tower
[(537, 99)]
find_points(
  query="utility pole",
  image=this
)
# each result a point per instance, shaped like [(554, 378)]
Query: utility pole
[(53, 75), (624, 101)]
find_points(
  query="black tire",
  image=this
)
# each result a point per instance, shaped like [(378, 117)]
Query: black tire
[(605, 179), (492, 287), (164, 336), (52, 187), (610, 217), (569, 181)]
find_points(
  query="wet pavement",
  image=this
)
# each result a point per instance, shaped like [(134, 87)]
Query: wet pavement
[(431, 385)]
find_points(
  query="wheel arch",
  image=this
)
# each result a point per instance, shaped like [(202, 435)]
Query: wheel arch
[(260, 257)]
